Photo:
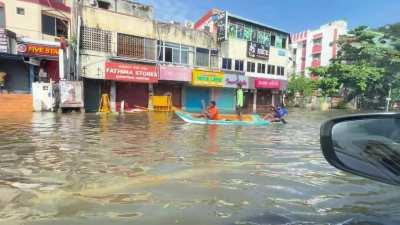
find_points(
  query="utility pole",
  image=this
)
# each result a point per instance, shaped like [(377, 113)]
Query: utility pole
[(388, 98)]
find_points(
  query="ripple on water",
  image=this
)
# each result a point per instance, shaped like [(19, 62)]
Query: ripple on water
[(155, 169)]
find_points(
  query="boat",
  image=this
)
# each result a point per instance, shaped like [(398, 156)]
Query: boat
[(225, 119)]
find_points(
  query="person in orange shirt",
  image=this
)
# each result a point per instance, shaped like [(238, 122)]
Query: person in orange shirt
[(212, 112)]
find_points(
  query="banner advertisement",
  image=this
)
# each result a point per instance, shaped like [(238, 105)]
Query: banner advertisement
[(132, 72), (207, 78)]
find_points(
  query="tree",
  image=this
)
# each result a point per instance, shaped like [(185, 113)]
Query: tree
[(367, 64), (305, 86)]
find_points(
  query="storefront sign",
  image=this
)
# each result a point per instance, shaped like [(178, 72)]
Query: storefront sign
[(71, 94), (131, 72), (267, 83), (256, 50), (175, 73), (207, 78), (232, 80), (3, 40), (30, 49)]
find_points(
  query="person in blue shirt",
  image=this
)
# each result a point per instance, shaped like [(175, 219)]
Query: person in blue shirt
[(277, 114)]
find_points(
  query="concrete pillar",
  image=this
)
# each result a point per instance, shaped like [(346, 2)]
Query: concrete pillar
[(255, 101), (31, 75), (183, 98), (113, 96), (273, 99), (61, 65), (151, 93)]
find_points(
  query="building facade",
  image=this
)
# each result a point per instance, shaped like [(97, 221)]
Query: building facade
[(252, 54), (130, 56), (314, 48), (38, 26)]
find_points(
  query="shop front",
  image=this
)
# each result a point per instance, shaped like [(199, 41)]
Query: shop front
[(14, 73), (269, 92), (172, 80), (130, 83), (42, 57), (203, 83), (231, 80)]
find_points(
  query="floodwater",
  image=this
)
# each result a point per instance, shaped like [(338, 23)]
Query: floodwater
[(155, 169)]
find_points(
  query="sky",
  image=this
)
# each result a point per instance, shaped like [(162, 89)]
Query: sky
[(289, 15)]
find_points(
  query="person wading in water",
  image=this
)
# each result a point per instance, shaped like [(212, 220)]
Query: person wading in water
[(239, 101)]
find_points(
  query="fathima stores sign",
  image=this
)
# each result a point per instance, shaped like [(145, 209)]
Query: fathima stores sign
[(132, 72)]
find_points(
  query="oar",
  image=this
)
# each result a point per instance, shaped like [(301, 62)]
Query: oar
[(283, 121), (203, 105)]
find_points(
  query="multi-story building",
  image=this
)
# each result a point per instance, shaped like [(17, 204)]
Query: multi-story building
[(314, 48), (126, 53), (252, 54), (38, 26)]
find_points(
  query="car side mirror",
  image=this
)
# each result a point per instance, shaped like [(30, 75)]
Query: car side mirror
[(365, 145)]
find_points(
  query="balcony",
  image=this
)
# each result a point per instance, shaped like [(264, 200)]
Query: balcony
[(316, 49), (316, 63)]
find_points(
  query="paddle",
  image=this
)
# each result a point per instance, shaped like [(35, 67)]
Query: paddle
[(283, 121), (203, 105)]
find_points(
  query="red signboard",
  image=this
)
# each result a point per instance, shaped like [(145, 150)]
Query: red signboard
[(37, 50), (131, 72), (267, 83)]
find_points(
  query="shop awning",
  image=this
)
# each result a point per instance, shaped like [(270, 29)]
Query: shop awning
[(8, 56)]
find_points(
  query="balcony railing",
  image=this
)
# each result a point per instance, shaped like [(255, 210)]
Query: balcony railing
[(316, 49), (316, 63)]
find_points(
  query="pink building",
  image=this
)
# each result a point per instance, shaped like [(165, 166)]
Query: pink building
[(314, 48)]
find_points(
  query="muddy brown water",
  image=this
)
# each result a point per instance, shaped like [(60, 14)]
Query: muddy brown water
[(155, 169)]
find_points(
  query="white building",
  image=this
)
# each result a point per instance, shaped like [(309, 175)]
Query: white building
[(314, 48)]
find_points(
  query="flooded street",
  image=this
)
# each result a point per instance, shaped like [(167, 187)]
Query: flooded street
[(156, 169)]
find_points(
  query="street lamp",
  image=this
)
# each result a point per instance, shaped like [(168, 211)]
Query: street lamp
[(388, 98)]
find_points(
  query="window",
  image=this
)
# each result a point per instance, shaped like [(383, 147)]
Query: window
[(160, 51), (186, 53), (214, 58), (317, 41), (48, 25), (207, 28), (280, 70), (172, 53), (202, 57), (316, 56), (251, 67), (261, 68), (103, 4), (135, 47), (240, 31), (20, 11), (95, 39), (2, 18), (271, 69), (239, 65), (54, 26), (284, 43), (226, 63), (272, 40)]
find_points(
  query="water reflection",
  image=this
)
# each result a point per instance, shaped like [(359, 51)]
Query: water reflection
[(150, 168)]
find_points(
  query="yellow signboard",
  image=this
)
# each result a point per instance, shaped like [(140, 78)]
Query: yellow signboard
[(207, 78)]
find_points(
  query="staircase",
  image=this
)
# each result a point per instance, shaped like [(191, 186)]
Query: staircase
[(16, 103)]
